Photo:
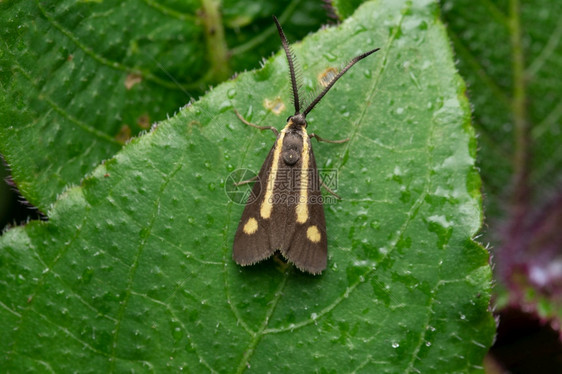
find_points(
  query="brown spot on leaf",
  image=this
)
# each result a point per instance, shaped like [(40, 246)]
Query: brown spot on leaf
[(276, 105), (327, 76), (144, 121), (124, 134), (132, 79)]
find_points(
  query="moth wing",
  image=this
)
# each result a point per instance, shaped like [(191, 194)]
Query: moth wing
[(308, 246), (251, 241)]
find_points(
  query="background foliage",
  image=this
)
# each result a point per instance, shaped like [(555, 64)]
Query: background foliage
[(510, 54)]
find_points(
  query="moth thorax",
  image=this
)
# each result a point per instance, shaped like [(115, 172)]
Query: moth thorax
[(290, 156), (292, 148)]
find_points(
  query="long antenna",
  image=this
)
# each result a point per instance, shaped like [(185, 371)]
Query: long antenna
[(327, 88), (290, 57)]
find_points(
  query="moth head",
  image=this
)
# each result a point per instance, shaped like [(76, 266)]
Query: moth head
[(298, 120)]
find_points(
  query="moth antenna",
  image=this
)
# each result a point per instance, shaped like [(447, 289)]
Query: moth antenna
[(310, 96), (298, 79), (334, 80), (291, 60)]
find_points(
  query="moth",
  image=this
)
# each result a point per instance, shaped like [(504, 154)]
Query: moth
[(285, 211)]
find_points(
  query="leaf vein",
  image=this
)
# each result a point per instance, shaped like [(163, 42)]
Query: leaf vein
[(134, 265), (262, 329), (175, 317), (104, 61), (548, 49), (48, 268), (42, 96)]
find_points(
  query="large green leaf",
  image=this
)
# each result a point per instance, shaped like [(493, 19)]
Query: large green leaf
[(510, 53), (133, 270), (78, 78)]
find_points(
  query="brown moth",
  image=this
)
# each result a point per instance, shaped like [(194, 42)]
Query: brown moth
[(286, 213)]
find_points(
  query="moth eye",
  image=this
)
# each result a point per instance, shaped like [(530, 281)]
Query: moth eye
[(290, 157)]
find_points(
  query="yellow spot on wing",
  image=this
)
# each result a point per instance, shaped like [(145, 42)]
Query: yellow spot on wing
[(302, 205), (313, 234), (251, 226)]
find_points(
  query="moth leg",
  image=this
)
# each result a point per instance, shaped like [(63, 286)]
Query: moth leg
[(329, 190), (275, 131), (313, 135), (253, 179)]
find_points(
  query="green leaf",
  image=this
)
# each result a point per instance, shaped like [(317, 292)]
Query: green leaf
[(344, 8), (511, 55), (510, 98), (78, 79), (133, 270), (251, 34)]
